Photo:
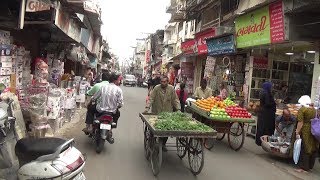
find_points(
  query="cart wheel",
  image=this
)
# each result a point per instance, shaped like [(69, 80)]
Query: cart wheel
[(156, 155), (196, 155), (208, 143), (181, 144), (146, 142), (220, 136), (236, 136)]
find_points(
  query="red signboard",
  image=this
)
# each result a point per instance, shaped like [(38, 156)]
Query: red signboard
[(201, 40), (276, 22), (189, 47), (147, 56)]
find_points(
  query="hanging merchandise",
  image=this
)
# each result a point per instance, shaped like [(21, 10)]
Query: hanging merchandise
[(41, 71)]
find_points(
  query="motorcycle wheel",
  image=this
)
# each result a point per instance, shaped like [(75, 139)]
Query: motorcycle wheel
[(99, 143)]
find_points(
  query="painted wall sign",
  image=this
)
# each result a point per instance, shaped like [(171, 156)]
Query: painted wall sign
[(262, 26), (219, 46), (37, 5)]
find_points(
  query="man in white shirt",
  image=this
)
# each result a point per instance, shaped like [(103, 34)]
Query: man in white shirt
[(109, 99)]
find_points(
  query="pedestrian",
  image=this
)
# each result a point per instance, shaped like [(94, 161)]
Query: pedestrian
[(266, 114), (163, 98), (183, 95), (223, 91), (309, 146), (203, 92)]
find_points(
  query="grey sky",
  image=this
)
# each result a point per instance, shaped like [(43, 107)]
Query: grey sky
[(125, 20)]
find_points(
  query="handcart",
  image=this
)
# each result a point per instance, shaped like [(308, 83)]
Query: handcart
[(190, 142), (233, 127)]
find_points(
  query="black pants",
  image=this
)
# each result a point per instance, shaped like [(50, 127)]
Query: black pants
[(92, 111)]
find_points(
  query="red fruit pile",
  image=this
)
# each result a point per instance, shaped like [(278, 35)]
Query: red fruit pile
[(238, 112)]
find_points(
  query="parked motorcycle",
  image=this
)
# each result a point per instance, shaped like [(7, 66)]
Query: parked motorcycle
[(102, 130), (49, 158), (7, 134)]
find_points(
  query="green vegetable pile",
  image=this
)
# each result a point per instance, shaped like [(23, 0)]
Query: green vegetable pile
[(178, 121)]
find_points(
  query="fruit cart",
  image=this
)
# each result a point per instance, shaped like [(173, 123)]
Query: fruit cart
[(233, 127), (190, 142)]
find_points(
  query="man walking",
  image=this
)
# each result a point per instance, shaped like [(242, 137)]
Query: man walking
[(163, 98)]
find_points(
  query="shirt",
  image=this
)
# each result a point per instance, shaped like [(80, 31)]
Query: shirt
[(110, 98), (96, 88), (163, 100), (281, 120), (199, 93)]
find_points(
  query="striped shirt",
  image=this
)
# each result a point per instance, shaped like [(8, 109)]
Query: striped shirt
[(110, 98)]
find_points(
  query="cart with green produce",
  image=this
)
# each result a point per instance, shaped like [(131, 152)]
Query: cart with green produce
[(189, 134), (220, 120)]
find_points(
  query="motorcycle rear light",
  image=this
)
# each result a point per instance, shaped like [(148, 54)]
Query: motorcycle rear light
[(76, 164), (61, 168)]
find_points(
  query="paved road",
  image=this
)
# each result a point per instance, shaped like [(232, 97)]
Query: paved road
[(125, 159)]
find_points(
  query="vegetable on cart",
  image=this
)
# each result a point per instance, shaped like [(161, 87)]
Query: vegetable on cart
[(189, 135)]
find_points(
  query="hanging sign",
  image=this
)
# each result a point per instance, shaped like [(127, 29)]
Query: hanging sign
[(37, 5), (220, 46), (262, 26), (189, 47)]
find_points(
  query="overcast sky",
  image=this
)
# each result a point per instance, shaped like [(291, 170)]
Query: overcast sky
[(126, 20)]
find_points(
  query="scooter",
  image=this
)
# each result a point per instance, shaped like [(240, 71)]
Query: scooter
[(102, 130), (49, 158)]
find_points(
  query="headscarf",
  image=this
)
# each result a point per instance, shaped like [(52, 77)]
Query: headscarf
[(305, 100), (267, 87)]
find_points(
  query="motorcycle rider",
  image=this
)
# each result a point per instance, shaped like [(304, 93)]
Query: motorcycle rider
[(91, 107), (108, 99)]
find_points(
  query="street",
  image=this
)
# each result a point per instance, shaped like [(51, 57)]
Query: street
[(125, 158)]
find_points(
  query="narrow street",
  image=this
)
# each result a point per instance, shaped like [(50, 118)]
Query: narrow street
[(125, 158)]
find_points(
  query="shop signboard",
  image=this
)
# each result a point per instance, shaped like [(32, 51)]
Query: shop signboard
[(262, 26), (147, 56), (37, 5), (189, 47), (220, 46), (201, 40)]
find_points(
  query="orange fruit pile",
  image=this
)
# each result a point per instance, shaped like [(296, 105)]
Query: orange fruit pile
[(209, 103)]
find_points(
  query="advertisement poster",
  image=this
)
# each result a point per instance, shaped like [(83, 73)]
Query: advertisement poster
[(262, 26)]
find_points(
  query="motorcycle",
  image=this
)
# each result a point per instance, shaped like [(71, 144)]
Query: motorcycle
[(49, 158), (102, 130)]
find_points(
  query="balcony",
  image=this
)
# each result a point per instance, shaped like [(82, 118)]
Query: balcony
[(179, 14)]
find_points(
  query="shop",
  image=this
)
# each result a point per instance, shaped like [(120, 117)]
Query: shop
[(225, 66), (288, 64)]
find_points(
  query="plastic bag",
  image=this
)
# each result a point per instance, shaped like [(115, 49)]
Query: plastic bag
[(297, 149)]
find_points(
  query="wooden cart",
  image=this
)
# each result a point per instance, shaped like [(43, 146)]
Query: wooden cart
[(190, 142), (234, 128)]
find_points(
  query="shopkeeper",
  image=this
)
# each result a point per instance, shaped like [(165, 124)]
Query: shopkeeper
[(285, 124), (203, 91)]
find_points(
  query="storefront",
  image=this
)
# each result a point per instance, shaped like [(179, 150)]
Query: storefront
[(224, 66), (291, 65)]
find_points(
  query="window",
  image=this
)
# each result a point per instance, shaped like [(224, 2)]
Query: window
[(186, 28), (228, 6)]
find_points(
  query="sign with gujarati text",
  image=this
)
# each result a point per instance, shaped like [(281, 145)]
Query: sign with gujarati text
[(220, 46), (189, 47), (262, 26), (37, 5), (201, 40)]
